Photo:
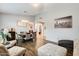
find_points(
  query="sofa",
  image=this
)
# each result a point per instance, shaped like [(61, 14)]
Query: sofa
[(10, 44), (68, 44), (14, 51)]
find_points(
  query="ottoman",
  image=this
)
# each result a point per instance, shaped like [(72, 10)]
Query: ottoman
[(50, 49), (16, 51)]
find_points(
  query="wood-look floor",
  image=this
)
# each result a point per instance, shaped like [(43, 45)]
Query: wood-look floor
[(31, 51), (30, 48)]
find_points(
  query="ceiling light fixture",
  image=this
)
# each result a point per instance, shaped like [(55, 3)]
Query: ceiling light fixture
[(35, 4)]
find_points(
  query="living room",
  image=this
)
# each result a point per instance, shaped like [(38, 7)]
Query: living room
[(34, 29)]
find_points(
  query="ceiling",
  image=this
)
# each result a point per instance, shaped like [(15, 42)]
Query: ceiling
[(31, 10), (20, 8)]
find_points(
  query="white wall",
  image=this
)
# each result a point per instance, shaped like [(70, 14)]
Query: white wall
[(10, 21), (54, 11)]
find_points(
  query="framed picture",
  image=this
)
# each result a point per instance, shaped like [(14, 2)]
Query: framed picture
[(64, 22)]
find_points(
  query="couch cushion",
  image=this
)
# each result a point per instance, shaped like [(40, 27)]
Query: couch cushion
[(3, 50)]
